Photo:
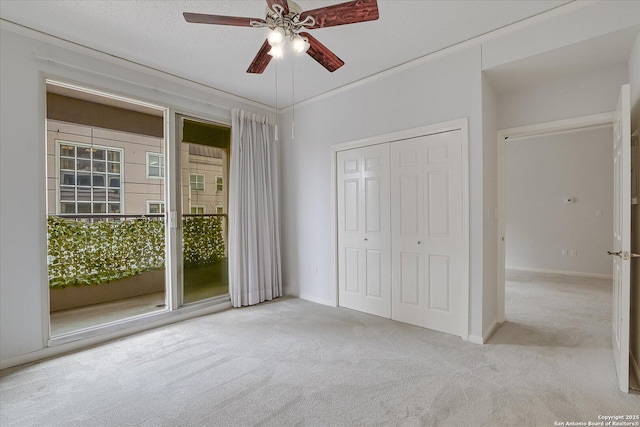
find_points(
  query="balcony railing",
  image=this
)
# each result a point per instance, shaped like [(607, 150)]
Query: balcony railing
[(95, 249)]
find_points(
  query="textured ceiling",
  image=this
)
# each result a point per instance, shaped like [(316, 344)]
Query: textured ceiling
[(154, 33)]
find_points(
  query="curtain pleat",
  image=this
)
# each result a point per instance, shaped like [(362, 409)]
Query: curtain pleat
[(254, 222)]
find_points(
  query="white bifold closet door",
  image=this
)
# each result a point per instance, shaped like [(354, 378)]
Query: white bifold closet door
[(426, 229), (364, 229)]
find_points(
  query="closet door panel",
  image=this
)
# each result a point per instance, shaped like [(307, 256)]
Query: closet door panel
[(438, 206), (374, 273), (407, 225), (439, 274), (426, 226), (364, 268), (442, 242), (409, 280), (351, 270)]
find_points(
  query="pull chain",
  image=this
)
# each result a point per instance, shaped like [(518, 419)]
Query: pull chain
[(276, 129), (293, 96)]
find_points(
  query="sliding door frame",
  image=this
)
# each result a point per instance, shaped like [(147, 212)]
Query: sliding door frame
[(177, 117), (174, 310)]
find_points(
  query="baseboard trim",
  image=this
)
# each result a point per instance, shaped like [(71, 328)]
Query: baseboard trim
[(560, 272), (635, 370), (315, 299), (475, 339)]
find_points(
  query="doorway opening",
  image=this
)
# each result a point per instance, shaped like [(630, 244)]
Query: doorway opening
[(568, 206), (558, 198)]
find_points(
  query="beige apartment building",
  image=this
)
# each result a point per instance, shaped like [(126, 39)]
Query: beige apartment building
[(98, 171)]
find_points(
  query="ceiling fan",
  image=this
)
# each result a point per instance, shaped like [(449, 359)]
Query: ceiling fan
[(287, 20)]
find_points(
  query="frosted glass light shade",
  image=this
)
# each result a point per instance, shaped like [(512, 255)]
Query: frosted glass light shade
[(300, 44), (276, 51), (276, 36)]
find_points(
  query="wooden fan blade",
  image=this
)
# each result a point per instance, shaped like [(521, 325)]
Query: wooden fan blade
[(261, 60), (282, 3), (322, 54), (343, 13), (201, 18)]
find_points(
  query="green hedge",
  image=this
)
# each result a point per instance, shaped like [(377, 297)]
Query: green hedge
[(83, 253), (202, 240)]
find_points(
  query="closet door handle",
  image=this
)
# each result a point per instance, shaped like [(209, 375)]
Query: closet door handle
[(419, 242), (366, 240)]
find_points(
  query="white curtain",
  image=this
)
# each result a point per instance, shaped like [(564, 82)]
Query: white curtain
[(254, 223)]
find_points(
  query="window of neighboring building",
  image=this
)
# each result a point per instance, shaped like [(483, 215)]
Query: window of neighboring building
[(155, 165), (155, 207), (219, 209), (90, 179), (196, 181), (219, 186), (198, 210)]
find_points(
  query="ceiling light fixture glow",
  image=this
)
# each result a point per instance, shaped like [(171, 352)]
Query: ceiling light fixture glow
[(277, 51), (276, 36), (300, 44)]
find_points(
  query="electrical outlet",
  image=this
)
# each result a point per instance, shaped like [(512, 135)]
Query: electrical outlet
[(564, 252), (573, 252)]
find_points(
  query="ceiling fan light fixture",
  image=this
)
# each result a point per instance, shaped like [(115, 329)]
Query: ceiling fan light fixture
[(300, 44), (276, 36), (277, 51), (286, 21)]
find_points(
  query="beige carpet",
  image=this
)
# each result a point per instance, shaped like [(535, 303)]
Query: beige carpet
[(292, 362)]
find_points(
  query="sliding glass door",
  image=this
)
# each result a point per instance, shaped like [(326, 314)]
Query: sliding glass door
[(134, 229), (203, 159), (105, 208)]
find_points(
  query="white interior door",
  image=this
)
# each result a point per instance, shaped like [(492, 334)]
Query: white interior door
[(364, 263), (427, 231), (622, 236)]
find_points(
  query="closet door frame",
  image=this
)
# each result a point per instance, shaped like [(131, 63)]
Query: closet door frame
[(459, 124)]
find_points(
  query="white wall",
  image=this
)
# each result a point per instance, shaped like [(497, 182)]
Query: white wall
[(23, 277), (572, 96), (443, 89), (540, 172), (490, 204)]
